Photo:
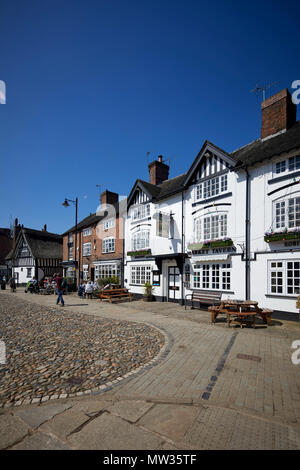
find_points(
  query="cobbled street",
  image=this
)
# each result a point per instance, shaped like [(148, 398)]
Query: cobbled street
[(152, 376), (51, 353)]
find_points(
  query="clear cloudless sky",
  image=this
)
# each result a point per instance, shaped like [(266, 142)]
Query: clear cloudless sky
[(92, 86)]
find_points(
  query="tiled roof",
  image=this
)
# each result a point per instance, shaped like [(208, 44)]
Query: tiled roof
[(260, 150)]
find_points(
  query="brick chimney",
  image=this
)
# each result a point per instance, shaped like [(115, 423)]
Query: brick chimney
[(44, 229), (158, 171), (108, 197), (278, 113)]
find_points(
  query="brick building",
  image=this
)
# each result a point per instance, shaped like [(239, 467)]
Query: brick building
[(96, 251)]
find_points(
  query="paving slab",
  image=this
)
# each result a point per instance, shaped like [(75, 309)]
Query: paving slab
[(220, 428), (172, 421), (41, 441), (37, 415), (130, 410), (65, 423), (12, 429), (91, 407), (109, 432)]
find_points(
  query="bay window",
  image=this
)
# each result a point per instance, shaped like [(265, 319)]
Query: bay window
[(210, 227), (287, 213), (141, 240)]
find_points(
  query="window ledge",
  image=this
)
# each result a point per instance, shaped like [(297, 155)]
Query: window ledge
[(285, 176), (213, 198), (282, 296)]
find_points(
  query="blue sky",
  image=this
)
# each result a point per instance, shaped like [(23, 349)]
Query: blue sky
[(93, 86)]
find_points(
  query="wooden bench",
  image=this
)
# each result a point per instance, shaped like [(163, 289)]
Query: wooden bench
[(266, 315), (204, 297), (112, 294)]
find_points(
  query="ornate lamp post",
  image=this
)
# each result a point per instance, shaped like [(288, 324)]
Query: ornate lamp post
[(66, 204)]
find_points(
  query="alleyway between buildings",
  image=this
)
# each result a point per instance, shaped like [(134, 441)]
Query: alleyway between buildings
[(143, 376)]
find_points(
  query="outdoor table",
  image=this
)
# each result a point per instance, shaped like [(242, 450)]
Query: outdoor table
[(239, 311)]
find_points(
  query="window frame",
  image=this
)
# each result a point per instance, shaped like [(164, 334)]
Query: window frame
[(211, 187), (84, 247), (284, 268), (108, 245), (137, 276), (212, 276)]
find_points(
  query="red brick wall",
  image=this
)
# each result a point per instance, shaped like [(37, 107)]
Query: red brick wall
[(96, 244), (278, 113)]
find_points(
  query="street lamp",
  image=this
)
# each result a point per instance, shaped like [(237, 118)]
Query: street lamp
[(66, 204)]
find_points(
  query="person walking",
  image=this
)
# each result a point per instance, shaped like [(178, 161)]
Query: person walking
[(12, 284), (59, 288)]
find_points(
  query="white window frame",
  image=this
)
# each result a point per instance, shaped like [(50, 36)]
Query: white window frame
[(210, 227), (282, 212), (103, 270), (140, 212), (280, 269), (211, 187), (87, 249), (29, 272), (140, 240), (286, 166), (212, 276), (109, 223), (140, 274), (108, 245), (87, 232)]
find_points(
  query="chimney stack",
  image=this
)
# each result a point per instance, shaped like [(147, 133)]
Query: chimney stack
[(108, 197), (278, 113), (45, 228), (158, 171)]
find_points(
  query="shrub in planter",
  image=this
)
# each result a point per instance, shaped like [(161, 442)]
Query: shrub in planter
[(148, 291), (108, 280)]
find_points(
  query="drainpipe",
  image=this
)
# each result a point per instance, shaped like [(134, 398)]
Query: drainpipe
[(247, 232), (182, 247)]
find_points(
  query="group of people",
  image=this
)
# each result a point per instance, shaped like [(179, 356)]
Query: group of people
[(86, 289), (11, 282)]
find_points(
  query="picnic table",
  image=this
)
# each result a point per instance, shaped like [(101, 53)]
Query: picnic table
[(240, 312), (114, 294)]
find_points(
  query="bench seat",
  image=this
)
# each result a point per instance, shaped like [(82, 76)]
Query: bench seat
[(204, 297)]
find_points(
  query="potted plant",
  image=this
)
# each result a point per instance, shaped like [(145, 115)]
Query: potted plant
[(148, 291)]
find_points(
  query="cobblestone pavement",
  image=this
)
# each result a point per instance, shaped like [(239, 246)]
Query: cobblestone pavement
[(215, 388), (50, 353)]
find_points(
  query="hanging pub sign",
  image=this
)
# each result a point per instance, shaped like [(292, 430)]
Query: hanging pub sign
[(156, 278), (162, 224)]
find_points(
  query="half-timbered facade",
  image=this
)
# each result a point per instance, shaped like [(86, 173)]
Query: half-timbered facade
[(230, 224), (35, 253)]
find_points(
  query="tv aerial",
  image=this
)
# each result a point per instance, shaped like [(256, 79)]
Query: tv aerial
[(263, 89)]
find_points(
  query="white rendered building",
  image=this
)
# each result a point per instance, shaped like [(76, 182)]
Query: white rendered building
[(230, 224)]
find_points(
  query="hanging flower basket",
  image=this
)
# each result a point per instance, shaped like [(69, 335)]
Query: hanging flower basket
[(274, 237), (206, 245), (137, 253)]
